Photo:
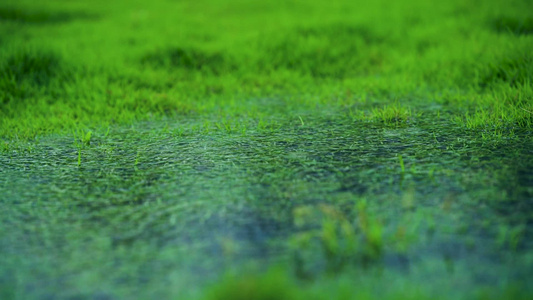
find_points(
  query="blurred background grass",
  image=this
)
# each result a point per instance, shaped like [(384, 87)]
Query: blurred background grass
[(66, 63)]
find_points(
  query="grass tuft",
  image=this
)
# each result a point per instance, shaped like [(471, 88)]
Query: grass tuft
[(513, 70), (391, 115), (273, 285)]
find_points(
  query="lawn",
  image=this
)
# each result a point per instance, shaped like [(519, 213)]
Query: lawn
[(275, 149)]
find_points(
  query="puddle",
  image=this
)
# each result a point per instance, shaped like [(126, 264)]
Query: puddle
[(142, 206)]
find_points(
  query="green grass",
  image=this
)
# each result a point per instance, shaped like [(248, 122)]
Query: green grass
[(266, 149), (463, 56)]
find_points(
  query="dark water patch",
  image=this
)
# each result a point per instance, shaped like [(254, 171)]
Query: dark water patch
[(39, 16), (335, 51), (512, 25), (190, 59)]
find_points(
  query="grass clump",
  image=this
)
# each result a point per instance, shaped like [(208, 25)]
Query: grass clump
[(331, 51), (506, 108), (499, 117), (272, 285), (514, 70), (513, 25), (342, 241), (27, 73), (391, 115)]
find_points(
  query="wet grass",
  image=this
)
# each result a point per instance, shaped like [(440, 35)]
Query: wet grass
[(322, 199), (146, 69), (266, 150)]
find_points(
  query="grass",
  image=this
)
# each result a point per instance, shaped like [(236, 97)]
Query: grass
[(402, 54), (391, 115), (265, 150)]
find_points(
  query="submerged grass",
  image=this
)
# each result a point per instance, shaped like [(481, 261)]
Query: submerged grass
[(328, 201)]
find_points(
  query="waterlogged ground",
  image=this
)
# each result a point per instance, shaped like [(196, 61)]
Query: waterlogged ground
[(279, 149), (420, 208)]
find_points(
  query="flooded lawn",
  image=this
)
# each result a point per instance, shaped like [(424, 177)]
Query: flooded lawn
[(266, 150), (165, 209)]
